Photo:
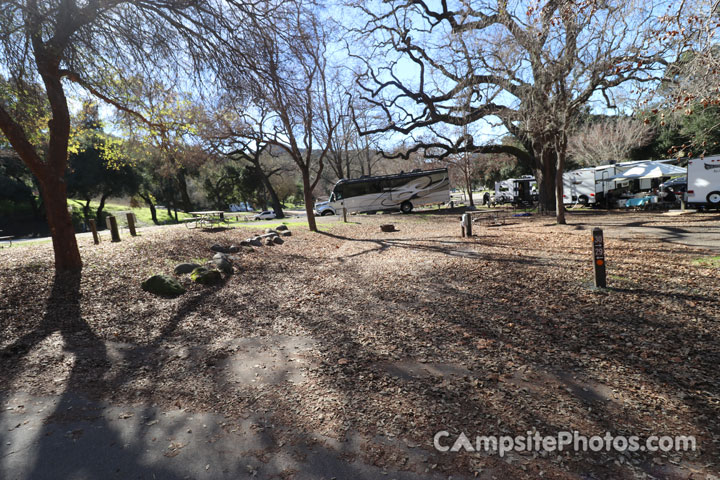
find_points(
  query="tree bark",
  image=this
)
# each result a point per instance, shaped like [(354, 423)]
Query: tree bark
[(545, 177), (559, 168), (67, 255), (307, 193)]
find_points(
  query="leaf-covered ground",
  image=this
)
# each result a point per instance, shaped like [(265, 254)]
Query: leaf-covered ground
[(393, 337)]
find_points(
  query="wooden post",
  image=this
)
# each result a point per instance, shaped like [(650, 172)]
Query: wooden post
[(93, 228), (112, 224), (344, 214), (599, 258), (131, 224)]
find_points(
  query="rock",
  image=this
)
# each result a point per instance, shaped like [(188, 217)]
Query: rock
[(245, 243), (270, 230), (269, 235), (286, 233), (219, 248), (183, 268), (233, 249), (219, 255), (278, 240), (281, 228), (224, 265), (388, 228), (256, 242), (206, 276), (163, 285), (269, 241)]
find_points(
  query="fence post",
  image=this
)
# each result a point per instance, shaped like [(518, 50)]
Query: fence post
[(93, 228), (113, 226), (131, 223), (599, 257)]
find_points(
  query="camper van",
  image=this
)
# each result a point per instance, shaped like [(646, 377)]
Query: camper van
[(703, 182)]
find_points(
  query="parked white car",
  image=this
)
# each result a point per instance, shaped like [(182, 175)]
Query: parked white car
[(265, 215)]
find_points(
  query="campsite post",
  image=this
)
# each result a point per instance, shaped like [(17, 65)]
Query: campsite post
[(599, 257)]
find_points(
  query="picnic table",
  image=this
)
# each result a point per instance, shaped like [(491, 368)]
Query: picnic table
[(6, 238), (205, 219)]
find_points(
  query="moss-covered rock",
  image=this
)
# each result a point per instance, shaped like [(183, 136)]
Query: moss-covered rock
[(163, 285), (205, 276)]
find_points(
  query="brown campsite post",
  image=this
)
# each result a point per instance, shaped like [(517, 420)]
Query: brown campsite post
[(599, 257), (93, 228), (113, 226), (131, 224)]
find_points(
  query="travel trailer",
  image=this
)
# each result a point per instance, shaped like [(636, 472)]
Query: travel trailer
[(703, 182)]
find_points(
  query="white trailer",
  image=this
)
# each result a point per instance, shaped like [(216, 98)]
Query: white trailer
[(580, 186), (517, 191), (703, 182)]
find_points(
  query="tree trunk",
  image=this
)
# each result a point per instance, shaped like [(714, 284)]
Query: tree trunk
[(307, 194), (184, 195), (153, 212), (545, 177), (86, 209), (559, 203), (100, 209), (67, 255), (468, 187), (274, 199)]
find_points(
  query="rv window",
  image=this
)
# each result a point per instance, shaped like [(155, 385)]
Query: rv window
[(504, 188), (337, 193)]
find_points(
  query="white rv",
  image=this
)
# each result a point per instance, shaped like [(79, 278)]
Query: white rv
[(515, 191), (580, 186), (402, 191), (703, 182)]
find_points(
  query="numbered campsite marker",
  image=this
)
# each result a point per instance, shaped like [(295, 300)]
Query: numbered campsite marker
[(599, 257)]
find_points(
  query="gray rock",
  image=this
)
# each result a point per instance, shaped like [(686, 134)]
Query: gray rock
[(233, 249), (256, 242), (163, 285), (206, 276), (245, 243), (278, 240), (281, 228), (286, 233), (269, 241), (183, 268), (219, 256), (224, 265), (219, 248), (269, 235), (270, 230)]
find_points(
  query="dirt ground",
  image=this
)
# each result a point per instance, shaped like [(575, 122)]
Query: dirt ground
[(353, 333)]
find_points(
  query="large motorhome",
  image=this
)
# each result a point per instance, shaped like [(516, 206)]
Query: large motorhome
[(703, 182), (401, 191)]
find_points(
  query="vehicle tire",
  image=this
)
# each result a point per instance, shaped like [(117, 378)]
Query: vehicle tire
[(583, 200), (713, 199), (325, 213), (406, 207)]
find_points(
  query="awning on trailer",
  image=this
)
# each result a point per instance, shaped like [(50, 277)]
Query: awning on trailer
[(649, 170)]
